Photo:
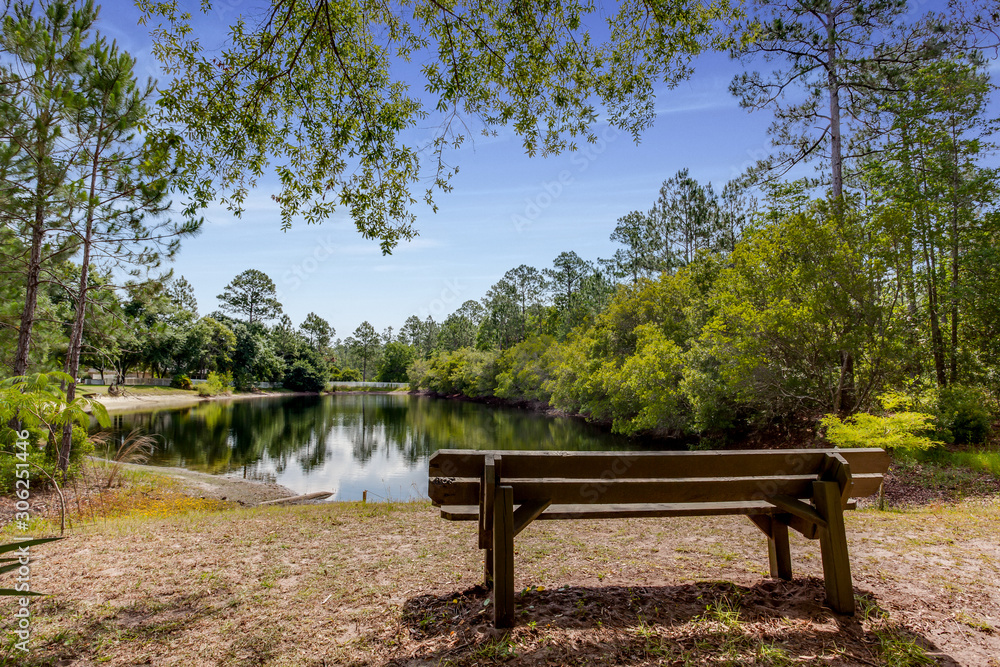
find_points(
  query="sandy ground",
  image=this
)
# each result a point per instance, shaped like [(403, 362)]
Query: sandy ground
[(137, 402), (218, 487), (393, 584)]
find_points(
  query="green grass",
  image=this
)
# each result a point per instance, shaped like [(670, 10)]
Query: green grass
[(946, 468), (897, 647), (980, 459)]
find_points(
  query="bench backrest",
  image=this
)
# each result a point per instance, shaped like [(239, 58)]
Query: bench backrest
[(653, 477)]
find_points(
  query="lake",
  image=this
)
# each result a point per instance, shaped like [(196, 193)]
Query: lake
[(348, 444)]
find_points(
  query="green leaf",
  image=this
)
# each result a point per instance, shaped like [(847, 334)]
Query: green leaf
[(13, 546)]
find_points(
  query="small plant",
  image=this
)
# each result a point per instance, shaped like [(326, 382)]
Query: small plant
[(134, 448), (724, 611), (217, 384), (181, 381), (496, 649), (893, 430), (11, 564), (897, 649)]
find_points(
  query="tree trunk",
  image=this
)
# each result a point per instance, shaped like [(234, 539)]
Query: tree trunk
[(33, 281), (833, 84), (953, 360), (72, 367)]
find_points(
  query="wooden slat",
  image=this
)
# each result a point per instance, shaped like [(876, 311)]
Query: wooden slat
[(452, 491), (865, 484), (632, 511), (606, 492), (656, 464), (486, 493)]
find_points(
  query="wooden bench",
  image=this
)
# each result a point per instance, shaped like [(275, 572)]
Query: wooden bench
[(803, 489)]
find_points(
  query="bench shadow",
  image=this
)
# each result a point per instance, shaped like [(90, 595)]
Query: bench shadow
[(640, 622)]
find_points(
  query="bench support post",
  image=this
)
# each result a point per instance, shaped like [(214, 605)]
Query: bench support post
[(833, 545), (778, 553), (503, 558), (487, 497)]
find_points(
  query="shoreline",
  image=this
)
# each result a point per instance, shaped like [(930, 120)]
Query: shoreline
[(145, 402), (247, 492)]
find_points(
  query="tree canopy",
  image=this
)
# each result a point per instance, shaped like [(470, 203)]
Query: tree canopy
[(323, 92)]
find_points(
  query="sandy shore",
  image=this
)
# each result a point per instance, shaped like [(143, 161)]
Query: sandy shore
[(143, 402), (218, 487)]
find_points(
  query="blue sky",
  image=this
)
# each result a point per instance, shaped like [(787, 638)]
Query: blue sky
[(506, 209)]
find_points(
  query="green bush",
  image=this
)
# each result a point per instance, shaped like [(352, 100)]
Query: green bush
[(36, 456), (305, 376), (418, 372), (523, 370), (181, 381), (963, 415), (346, 375), (217, 384), (465, 371), (43, 453), (898, 428)]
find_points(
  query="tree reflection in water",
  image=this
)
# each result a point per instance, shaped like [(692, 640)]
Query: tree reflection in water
[(348, 443)]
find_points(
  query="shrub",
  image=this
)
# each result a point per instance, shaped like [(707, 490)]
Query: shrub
[(39, 403), (465, 371), (346, 375), (180, 381), (217, 384), (305, 376), (524, 369), (418, 372), (963, 414), (898, 428)]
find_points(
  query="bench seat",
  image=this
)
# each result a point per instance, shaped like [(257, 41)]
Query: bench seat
[(806, 490), (631, 511)]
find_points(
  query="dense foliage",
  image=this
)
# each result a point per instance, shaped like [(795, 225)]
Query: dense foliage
[(765, 301)]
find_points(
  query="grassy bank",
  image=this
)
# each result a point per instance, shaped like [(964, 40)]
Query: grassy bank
[(170, 583)]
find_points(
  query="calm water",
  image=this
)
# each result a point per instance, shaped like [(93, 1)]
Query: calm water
[(347, 444)]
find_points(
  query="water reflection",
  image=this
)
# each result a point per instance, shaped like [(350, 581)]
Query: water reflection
[(348, 444)]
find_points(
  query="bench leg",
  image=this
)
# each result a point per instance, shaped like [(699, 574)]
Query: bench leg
[(486, 500), (503, 558), (778, 553), (488, 567), (833, 545)]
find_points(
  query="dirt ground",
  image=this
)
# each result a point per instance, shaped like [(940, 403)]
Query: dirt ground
[(393, 584)]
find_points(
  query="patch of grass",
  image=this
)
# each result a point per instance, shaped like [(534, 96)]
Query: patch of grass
[(956, 472), (499, 648), (979, 459), (896, 646), (974, 622), (137, 503), (724, 611)]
